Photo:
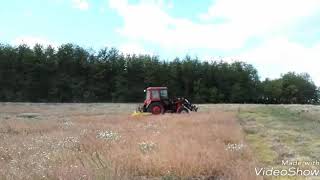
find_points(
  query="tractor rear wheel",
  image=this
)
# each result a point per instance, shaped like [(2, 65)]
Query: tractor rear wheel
[(156, 108)]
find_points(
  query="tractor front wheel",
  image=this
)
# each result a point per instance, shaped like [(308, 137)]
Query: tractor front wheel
[(156, 108)]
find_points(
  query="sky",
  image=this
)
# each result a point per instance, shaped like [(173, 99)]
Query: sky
[(276, 36)]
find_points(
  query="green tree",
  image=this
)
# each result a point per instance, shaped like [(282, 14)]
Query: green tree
[(71, 73), (298, 88)]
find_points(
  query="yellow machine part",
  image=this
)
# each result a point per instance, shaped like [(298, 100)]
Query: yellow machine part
[(137, 113)]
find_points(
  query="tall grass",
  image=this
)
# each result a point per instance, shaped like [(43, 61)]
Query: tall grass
[(103, 146)]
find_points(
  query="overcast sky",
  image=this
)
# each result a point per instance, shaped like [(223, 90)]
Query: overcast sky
[(276, 36)]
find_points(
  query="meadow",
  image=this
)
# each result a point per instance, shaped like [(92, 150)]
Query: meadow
[(103, 141)]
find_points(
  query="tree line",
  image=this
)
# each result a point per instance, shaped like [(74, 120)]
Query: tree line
[(71, 73)]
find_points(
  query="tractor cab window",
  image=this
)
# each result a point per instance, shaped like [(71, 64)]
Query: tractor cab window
[(155, 94), (148, 95), (164, 94)]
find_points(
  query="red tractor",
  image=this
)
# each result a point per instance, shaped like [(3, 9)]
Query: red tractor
[(158, 102)]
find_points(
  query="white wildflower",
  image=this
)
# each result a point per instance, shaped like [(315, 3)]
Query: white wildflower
[(235, 147), (146, 147), (108, 135)]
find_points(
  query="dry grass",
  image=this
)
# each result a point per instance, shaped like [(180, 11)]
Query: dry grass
[(63, 142)]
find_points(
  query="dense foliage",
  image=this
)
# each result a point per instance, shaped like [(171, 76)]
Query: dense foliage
[(74, 74)]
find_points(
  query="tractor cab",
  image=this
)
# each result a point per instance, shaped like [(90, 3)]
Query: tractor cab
[(155, 94), (157, 101)]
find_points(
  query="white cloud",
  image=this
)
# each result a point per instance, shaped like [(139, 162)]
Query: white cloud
[(263, 16), (263, 10), (80, 4), (102, 10), (170, 5), (279, 55), (133, 48), (149, 21), (32, 41), (266, 19)]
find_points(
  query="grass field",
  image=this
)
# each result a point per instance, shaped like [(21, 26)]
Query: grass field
[(278, 133), (102, 141)]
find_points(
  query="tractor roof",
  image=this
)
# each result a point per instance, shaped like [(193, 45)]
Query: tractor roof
[(156, 88)]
